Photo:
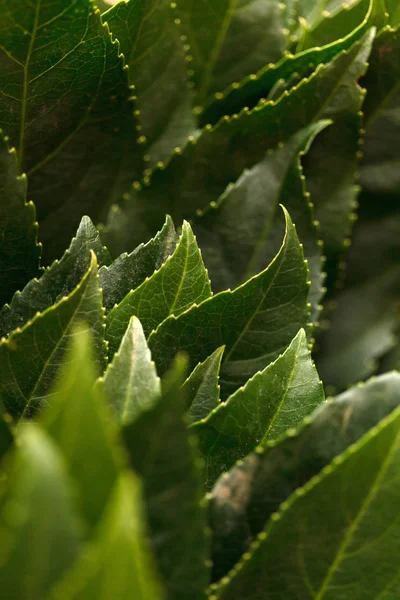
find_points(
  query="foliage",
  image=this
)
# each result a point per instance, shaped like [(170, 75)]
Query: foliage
[(226, 174)]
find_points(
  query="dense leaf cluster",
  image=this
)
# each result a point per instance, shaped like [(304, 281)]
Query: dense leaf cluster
[(164, 432)]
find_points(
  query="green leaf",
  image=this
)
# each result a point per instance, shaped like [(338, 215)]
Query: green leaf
[(380, 165), (245, 499), (332, 175), (333, 528), (57, 281), (66, 108), (202, 387), (30, 358), (181, 282), (393, 10), (336, 24), (40, 534), (130, 382), (150, 42), (230, 39), (117, 564), (220, 154), (291, 67), (362, 327), (240, 235), (128, 271), (161, 452), (256, 322), (19, 251), (273, 401), (77, 422)]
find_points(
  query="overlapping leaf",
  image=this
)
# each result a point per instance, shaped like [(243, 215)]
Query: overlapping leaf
[(128, 271), (30, 358), (56, 281), (38, 506), (19, 251), (65, 107), (77, 422), (220, 154), (130, 383), (153, 50), (229, 39), (202, 387), (161, 451), (256, 322), (244, 500), (117, 564), (271, 402), (179, 283), (327, 537), (240, 235)]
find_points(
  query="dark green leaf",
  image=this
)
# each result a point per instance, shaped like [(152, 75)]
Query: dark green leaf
[(202, 387), (30, 358), (331, 166), (6, 434), (150, 42), (292, 67), (220, 154), (256, 322), (381, 167), (230, 39), (130, 382), (19, 251), (40, 534), (327, 541), (179, 283), (241, 234), (117, 564), (362, 327), (77, 423), (128, 271), (273, 401), (244, 500), (161, 452), (65, 106), (57, 281)]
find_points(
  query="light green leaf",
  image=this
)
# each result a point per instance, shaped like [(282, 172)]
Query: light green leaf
[(130, 382), (202, 387), (40, 534), (256, 322), (230, 39), (220, 154), (393, 9), (66, 108), (19, 251), (245, 499), (128, 271), (57, 281), (150, 42), (161, 452), (330, 530), (117, 564), (30, 358), (290, 70), (380, 166), (241, 234), (273, 401), (179, 283), (6, 433), (77, 422)]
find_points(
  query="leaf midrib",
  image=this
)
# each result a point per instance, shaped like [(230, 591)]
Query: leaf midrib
[(361, 512)]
